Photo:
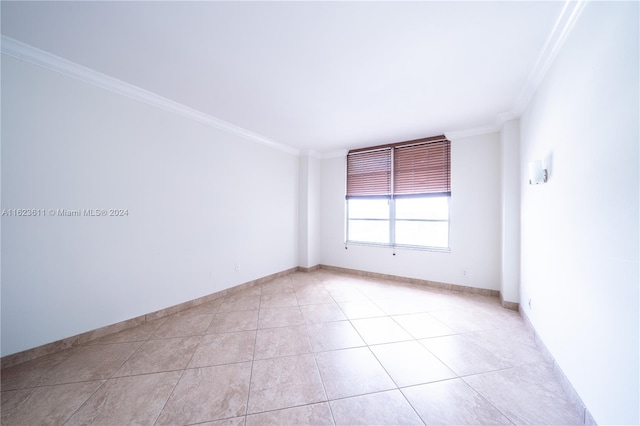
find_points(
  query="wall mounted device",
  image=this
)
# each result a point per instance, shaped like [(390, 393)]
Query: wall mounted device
[(537, 173)]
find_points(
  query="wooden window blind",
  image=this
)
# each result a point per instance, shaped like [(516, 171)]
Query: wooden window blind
[(369, 173), (418, 167), (423, 168)]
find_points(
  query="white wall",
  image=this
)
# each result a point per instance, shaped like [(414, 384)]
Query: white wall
[(510, 198), (313, 217), (475, 222), (200, 200), (309, 199), (303, 211), (580, 230)]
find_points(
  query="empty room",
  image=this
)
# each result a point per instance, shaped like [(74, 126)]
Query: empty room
[(324, 213)]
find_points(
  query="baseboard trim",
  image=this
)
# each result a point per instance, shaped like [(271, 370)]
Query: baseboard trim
[(79, 339), (414, 281), (310, 269), (576, 403), (514, 306)]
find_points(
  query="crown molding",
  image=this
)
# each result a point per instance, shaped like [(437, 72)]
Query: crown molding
[(334, 154), (28, 53), (310, 153), (503, 117), (561, 30), (465, 133)]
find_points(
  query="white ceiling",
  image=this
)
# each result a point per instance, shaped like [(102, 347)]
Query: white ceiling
[(314, 76)]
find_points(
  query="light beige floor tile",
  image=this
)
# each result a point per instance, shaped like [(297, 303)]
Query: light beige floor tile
[(314, 414), (410, 363), (178, 325), (207, 394), (221, 388), (423, 325), (127, 400), (380, 330), (407, 305), (463, 354), (342, 293), (333, 335), (513, 345), (255, 290), (351, 372), (278, 300), (439, 299), (470, 320), (224, 348), (382, 408), (280, 317), (282, 341), (160, 355), (363, 281), (91, 363), (384, 292), (361, 309), (30, 373), (278, 383), (475, 301), (324, 312), (234, 421), (235, 303), (224, 322), (314, 297), (309, 287), (278, 286), (48, 405), (527, 394), (298, 277), (452, 402), (462, 320), (502, 317)]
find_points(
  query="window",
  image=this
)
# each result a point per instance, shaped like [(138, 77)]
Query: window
[(398, 194)]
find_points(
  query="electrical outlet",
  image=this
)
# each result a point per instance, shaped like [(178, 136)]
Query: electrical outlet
[(465, 273), (237, 267)]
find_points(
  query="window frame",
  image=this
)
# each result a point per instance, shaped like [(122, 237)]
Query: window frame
[(392, 222), (391, 198)]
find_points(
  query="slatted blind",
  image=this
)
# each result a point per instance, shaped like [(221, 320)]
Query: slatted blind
[(419, 167), (369, 173), (422, 169)]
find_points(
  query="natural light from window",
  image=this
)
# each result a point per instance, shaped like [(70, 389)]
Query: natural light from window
[(419, 221)]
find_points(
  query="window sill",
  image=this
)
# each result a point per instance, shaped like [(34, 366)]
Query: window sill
[(399, 247)]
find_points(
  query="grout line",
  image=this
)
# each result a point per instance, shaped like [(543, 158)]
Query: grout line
[(512, 421), (85, 401), (279, 409), (253, 356), (412, 407), (177, 381), (186, 367), (40, 386), (324, 388)]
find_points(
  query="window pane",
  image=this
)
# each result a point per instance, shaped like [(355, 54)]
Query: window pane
[(369, 231), (368, 209), (429, 234), (433, 208)]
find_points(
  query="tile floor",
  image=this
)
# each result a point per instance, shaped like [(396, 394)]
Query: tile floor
[(309, 348)]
